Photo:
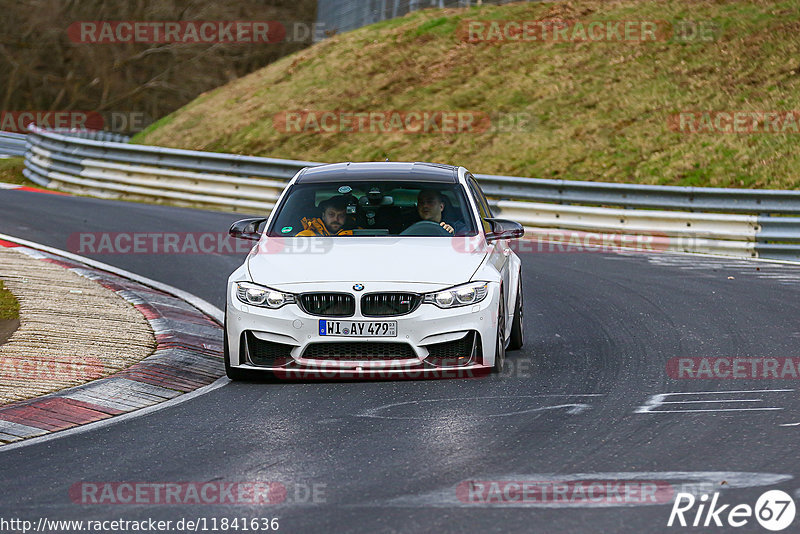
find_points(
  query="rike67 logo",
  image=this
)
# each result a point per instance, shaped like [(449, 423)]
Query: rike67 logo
[(774, 510)]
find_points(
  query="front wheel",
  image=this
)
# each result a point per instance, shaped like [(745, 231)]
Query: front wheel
[(517, 332), (500, 348)]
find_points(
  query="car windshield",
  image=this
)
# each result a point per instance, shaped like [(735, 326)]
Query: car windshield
[(381, 208)]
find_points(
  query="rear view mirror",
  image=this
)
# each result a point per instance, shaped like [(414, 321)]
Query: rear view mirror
[(504, 229), (247, 229)]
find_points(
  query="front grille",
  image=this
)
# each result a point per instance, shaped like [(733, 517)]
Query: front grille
[(389, 304), (267, 353), (349, 351), (328, 304), (451, 353)]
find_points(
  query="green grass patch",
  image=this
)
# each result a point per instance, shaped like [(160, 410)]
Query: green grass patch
[(9, 306), (387, 24), (11, 172), (438, 26), (160, 123)]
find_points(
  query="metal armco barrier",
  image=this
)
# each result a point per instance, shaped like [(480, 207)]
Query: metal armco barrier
[(113, 170), (12, 144), (96, 135), (643, 196), (735, 222)]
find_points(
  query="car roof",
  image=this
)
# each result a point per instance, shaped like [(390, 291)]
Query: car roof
[(380, 171)]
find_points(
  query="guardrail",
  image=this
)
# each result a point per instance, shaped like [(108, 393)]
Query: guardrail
[(96, 135), (109, 169), (708, 199), (15, 144), (737, 222), (12, 144)]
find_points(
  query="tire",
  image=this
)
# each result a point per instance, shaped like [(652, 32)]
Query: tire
[(517, 326), (500, 343)]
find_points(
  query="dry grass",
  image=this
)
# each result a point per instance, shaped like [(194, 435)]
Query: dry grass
[(600, 110)]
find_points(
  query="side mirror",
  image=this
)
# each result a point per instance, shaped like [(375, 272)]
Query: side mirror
[(504, 229), (247, 229)]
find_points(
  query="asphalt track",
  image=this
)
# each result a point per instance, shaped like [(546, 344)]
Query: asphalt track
[(388, 456)]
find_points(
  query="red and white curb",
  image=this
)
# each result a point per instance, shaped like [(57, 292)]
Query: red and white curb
[(188, 356), (31, 189)]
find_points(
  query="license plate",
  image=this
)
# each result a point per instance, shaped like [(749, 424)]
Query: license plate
[(358, 328)]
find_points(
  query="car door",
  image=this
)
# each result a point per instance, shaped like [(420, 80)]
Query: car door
[(499, 250)]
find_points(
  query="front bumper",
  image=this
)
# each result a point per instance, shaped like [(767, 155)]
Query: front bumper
[(287, 341)]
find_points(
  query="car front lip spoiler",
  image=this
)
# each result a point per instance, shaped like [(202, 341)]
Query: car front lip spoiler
[(298, 372)]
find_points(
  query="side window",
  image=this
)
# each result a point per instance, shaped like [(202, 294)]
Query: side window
[(483, 208), (482, 198)]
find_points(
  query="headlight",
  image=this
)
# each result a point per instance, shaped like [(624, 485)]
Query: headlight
[(264, 297), (463, 295)]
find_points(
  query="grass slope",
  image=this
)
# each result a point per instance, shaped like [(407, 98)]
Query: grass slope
[(600, 109)]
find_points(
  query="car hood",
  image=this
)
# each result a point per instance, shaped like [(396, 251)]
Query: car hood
[(433, 260)]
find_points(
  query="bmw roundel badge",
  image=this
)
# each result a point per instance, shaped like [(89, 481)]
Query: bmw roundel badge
[(358, 287)]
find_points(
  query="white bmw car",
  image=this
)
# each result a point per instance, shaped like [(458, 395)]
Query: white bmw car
[(378, 270)]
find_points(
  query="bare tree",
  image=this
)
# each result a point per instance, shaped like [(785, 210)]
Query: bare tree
[(42, 68)]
